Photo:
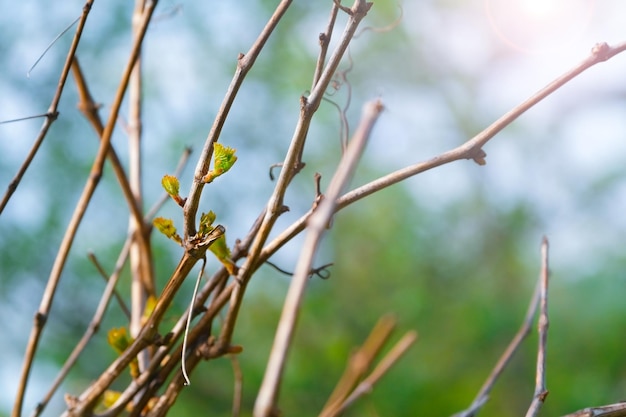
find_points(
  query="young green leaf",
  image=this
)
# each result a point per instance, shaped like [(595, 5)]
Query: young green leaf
[(119, 339), (148, 308), (223, 159), (206, 222), (110, 397), (172, 187), (222, 253), (166, 226)]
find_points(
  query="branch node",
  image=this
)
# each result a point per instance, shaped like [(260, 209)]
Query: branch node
[(40, 319), (478, 156), (601, 51)]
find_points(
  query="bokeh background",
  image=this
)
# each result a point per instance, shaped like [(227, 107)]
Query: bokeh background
[(453, 252)]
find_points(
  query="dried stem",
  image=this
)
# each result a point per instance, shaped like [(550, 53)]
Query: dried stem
[(237, 385), (462, 152), (142, 284), (472, 149), (540, 385), (92, 329), (101, 309), (385, 364), (105, 276), (290, 167), (611, 410), (268, 393), (51, 116), (324, 39), (523, 332), (88, 398), (244, 64), (360, 361)]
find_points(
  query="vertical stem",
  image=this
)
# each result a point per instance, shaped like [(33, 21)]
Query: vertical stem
[(317, 224), (142, 284)]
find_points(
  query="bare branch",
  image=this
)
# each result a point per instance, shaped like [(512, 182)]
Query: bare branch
[(291, 166), (324, 39), (244, 64), (360, 361), (472, 149), (611, 410), (523, 332), (385, 364), (540, 385), (87, 399), (51, 116), (268, 393)]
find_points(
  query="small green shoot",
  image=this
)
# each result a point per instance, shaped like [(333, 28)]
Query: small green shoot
[(223, 159), (166, 226), (172, 187)]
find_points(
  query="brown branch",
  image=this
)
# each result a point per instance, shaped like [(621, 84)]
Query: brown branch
[(237, 385), (170, 359), (453, 155), (140, 255), (540, 385), (91, 330), (611, 410), (358, 364), (39, 319), (120, 261), (244, 64), (192, 254), (472, 149), (95, 323), (89, 108), (365, 387), (483, 394), (51, 116), (324, 39), (291, 165), (268, 392)]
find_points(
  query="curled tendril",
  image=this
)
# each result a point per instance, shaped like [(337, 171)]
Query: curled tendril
[(321, 271)]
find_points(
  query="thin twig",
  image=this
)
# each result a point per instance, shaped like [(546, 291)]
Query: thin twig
[(94, 260), (381, 369), (611, 410), (199, 330), (268, 392), (244, 64), (90, 187), (51, 116), (192, 254), (360, 361), (455, 154), (21, 119), (237, 385), (472, 149), (523, 332), (541, 391), (52, 112), (89, 108), (92, 329), (95, 323), (324, 39), (291, 166), (56, 38), (140, 256)]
